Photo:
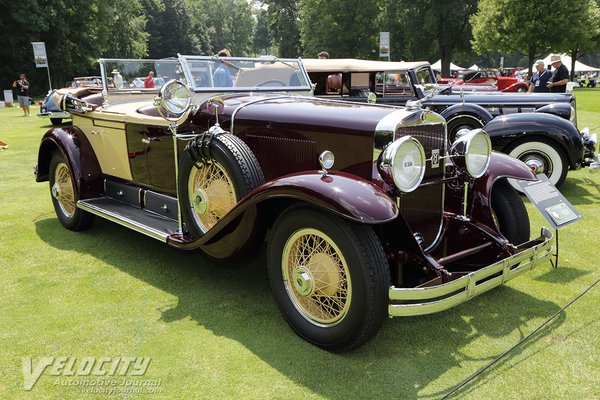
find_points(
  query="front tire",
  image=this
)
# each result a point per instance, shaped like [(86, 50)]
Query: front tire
[(459, 122), (509, 212), (542, 157), (64, 196), (329, 277)]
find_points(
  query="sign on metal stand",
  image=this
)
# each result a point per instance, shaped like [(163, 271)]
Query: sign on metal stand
[(384, 45), (41, 59)]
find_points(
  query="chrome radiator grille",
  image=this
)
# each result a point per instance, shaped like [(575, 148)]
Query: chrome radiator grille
[(423, 208)]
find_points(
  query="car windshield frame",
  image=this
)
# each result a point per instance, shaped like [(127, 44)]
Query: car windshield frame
[(246, 74)]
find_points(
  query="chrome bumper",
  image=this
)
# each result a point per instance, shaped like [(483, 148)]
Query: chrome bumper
[(54, 114), (431, 299)]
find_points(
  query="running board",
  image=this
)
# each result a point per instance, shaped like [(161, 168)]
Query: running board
[(138, 219)]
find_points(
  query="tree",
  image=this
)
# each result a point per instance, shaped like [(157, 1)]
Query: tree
[(229, 24), (582, 33), (520, 26), (351, 33), (76, 35), (170, 28), (284, 25), (262, 39), (420, 28)]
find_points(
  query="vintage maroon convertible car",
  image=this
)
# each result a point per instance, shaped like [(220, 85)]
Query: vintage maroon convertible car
[(485, 81), (368, 210)]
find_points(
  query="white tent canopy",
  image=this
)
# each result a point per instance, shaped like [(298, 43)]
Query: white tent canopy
[(437, 66), (579, 66), (474, 67)]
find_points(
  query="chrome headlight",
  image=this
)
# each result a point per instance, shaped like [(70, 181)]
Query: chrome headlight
[(471, 152), (405, 160)]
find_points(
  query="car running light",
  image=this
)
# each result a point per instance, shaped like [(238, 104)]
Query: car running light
[(405, 159), (471, 152)]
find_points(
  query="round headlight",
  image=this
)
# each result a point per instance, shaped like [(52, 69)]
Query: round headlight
[(406, 160), (175, 98), (472, 151)]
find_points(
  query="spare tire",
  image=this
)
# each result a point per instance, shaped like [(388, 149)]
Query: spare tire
[(215, 173)]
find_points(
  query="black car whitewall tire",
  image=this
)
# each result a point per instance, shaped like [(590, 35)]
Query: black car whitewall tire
[(509, 213), (64, 195), (211, 187), (540, 152), (329, 277)]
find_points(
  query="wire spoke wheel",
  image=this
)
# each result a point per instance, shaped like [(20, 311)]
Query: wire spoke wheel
[(316, 277), (212, 194), (63, 191)]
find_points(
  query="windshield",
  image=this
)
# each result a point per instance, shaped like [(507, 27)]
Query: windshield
[(238, 74), (142, 75)]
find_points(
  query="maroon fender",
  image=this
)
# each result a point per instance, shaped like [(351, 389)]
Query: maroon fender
[(501, 166), (78, 153), (343, 194)]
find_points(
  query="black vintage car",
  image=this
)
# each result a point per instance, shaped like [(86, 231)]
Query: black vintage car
[(368, 210), (539, 129)]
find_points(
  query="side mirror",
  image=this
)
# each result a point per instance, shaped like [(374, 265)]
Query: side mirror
[(174, 100)]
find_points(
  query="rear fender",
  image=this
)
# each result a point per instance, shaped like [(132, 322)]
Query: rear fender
[(501, 166), (78, 153)]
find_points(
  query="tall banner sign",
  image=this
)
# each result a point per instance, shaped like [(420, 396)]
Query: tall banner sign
[(384, 44), (41, 59), (39, 54)]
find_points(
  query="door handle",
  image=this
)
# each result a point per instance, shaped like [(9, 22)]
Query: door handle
[(150, 139)]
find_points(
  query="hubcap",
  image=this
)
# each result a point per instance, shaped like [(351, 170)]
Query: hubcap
[(539, 163), (212, 194), (536, 166), (316, 277), (62, 189)]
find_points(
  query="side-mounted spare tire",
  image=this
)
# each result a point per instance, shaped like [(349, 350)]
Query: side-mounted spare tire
[(215, 173)]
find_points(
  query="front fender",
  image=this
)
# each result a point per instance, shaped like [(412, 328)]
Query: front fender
[(507, 131), (341, 193), (501, 166), (78, 153)]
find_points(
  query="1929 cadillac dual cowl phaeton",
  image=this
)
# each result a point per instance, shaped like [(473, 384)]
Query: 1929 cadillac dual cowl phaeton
[(368, 210)]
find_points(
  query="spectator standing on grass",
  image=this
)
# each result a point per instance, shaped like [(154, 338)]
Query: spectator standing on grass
[(149, 81), (540, 78), (323, 55), (22, 86), (560, 76), (222, 76)]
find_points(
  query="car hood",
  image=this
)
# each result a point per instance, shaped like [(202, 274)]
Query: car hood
[(499, 98)]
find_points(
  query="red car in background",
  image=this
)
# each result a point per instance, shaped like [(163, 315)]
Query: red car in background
[(485, 81)]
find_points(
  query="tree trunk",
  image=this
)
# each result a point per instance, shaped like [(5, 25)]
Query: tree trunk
[(446, 59), (574, 54)]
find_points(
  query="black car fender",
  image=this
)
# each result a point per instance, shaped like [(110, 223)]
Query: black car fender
[(78, 153), (465, 115), (563, 110), (506, 131)]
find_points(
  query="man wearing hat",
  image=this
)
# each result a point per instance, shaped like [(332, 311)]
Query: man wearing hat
[(540, 78), (117, 79), (560, 76)]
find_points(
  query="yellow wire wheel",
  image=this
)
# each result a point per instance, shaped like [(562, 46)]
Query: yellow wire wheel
[(212, 194), (316, 276), (63, 190)]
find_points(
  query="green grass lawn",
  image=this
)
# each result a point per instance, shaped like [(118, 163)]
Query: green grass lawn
[(216, 333)]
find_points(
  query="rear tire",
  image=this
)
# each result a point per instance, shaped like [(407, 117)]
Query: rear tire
[(509, 212), (329, 277)]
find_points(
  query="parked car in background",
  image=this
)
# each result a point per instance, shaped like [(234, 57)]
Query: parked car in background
[(484, 81), (537, 128), (368, 211), (85, 81)]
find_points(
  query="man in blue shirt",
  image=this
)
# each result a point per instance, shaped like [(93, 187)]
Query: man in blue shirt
[(222, 76), (540, 78)]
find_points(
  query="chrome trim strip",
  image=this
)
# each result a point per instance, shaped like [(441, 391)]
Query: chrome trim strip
[(432, 299), (146, 230), (234, 113)]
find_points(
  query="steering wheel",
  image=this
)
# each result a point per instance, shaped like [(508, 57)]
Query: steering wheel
[(270, 82)]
